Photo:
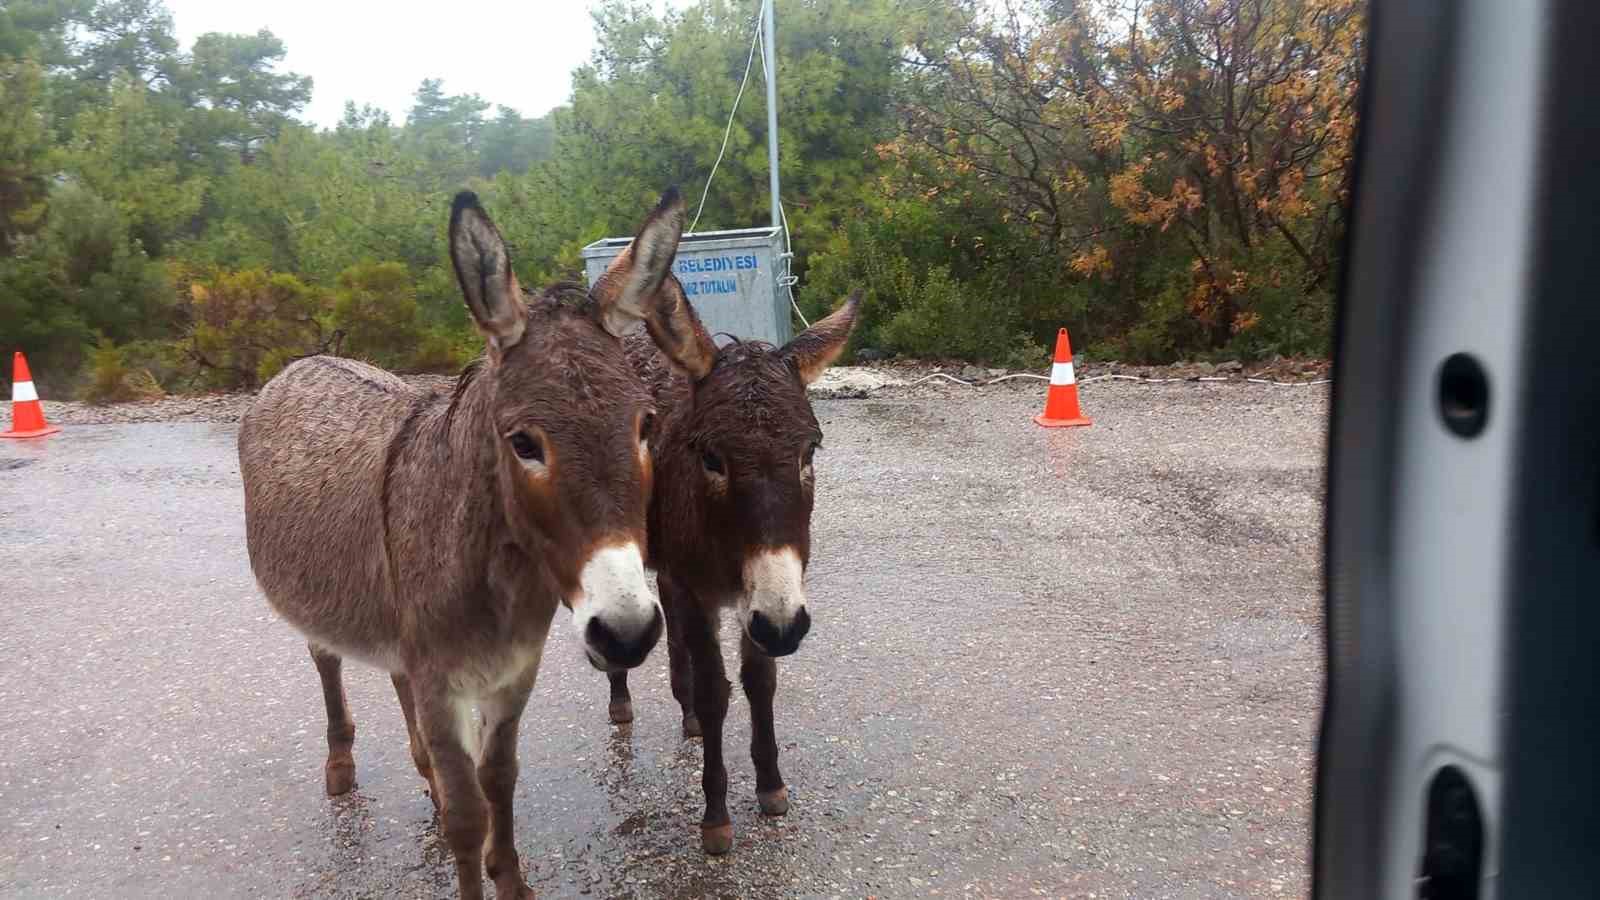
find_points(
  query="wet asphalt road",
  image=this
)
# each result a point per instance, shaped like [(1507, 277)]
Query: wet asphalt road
[(1043, 663)]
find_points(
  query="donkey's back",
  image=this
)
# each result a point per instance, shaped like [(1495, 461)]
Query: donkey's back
[(313, 451)]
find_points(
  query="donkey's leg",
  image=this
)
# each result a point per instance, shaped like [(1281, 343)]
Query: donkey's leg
[(621, 709), (419, 748), (682, 672), (497, 774), (448, 728), (340, 771), (679, 665), (711, 691), (758, 672)]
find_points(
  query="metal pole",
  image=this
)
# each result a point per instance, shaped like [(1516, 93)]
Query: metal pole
[(769, 52)]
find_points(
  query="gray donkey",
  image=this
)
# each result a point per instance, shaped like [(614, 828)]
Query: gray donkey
[(433, 534)]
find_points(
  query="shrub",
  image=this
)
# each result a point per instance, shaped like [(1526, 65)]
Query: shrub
[(439, 299), (375, 305), (934, 284), (78, 277), (248, 325), (112, 380), (168, 363), (446, 351), (940, 317), (37, 317), (1279, 313), (117, 289)]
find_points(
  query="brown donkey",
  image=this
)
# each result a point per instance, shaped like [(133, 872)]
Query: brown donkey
[(434, 535), (730, 526)]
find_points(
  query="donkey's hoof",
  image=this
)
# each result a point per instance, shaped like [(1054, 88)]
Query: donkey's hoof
[(691, 726), (514, 888), (621, 711), (774, 803), (717, 839), (340, 776)]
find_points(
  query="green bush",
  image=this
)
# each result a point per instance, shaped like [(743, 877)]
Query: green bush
[(914, 305), (877, 251), (439, 299), (248, 325), (1280, 315), (941, 318), (943, 278), (36, 318), (375, 305), (117, 289), (78, 277), (446, 351), (168, 363), (112, 380)]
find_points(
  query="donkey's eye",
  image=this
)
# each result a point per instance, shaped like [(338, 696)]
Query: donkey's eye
[(712, 462), (526, 447), (811, 450), (647, 426)]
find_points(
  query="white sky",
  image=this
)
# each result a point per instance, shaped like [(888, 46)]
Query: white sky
[(519, 54)]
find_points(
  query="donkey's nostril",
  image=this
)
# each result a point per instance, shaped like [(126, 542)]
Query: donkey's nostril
[(762, 631), (623, 648), (801, 625), (777, 641)]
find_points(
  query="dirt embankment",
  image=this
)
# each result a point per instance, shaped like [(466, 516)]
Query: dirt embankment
[(887, 379)]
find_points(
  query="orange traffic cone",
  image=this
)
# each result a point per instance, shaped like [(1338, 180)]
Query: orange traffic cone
[(27, 415), (1061, 403)]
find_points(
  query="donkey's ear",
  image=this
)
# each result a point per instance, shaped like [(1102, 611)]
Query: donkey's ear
[(817, 347), (676, 329), (625, 290), (483, 267)]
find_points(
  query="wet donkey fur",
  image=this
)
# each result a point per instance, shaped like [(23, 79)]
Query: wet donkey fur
[(434, 535), (730, 526)]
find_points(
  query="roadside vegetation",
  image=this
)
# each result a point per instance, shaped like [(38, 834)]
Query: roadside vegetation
[(1168, 178)]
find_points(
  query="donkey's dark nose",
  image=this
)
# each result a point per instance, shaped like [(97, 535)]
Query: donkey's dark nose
[(779, 641), (621, 650)]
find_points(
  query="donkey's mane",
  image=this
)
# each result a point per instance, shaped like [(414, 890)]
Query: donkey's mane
[(567, 295), (740, 349), (469, 374)]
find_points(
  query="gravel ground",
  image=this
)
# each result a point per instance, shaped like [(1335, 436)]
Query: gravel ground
[(1079, 662)]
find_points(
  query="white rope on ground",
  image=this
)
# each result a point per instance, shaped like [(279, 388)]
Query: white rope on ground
[(1132, 378), (945, 377), (1135, 378), (726, 132)]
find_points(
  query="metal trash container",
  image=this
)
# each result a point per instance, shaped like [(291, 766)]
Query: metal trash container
[(731, 277)]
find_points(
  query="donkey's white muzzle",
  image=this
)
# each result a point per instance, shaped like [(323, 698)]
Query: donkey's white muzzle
[(618, 617), (774, 601)]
